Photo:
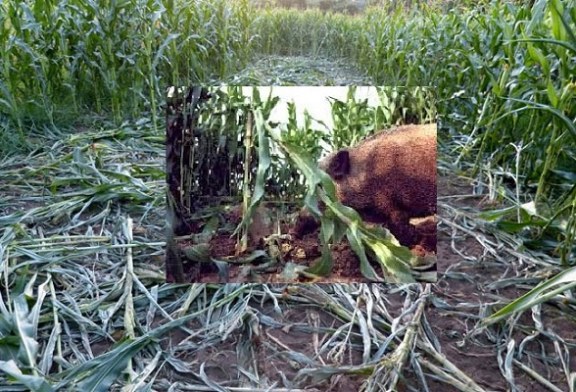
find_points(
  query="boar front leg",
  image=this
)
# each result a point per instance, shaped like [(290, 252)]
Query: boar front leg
[(399, 225)]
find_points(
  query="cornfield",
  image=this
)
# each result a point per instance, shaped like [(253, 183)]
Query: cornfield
[(85, 305)]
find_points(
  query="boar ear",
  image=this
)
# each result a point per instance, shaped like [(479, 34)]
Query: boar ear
[(340, 165)]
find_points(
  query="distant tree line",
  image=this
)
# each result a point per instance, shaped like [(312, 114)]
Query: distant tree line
[(345, 6), (356, 6)]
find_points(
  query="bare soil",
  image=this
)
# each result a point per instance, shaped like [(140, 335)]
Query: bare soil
[(291, 253), (466, 285)]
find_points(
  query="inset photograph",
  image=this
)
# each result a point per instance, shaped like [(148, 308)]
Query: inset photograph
[(301, 184)]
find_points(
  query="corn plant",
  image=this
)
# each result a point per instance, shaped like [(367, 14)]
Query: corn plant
[(354, 120), (339, 221), (59, 59)]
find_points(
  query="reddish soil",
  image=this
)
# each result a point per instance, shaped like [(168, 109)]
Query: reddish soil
[(292, 253)]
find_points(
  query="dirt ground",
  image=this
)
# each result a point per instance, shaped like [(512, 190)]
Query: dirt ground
[(472, 281), (467, 285), (292, 252)]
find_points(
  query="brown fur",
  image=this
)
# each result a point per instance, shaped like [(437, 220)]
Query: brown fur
[(389, 177)]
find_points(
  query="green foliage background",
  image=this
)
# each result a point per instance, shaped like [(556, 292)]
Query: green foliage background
[(503, 72)]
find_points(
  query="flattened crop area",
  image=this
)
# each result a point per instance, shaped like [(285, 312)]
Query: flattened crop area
[(322, 337)]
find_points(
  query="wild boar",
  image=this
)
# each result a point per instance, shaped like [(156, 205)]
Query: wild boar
[(388, 178)]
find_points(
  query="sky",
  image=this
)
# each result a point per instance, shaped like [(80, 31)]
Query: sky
[(314, 99)]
